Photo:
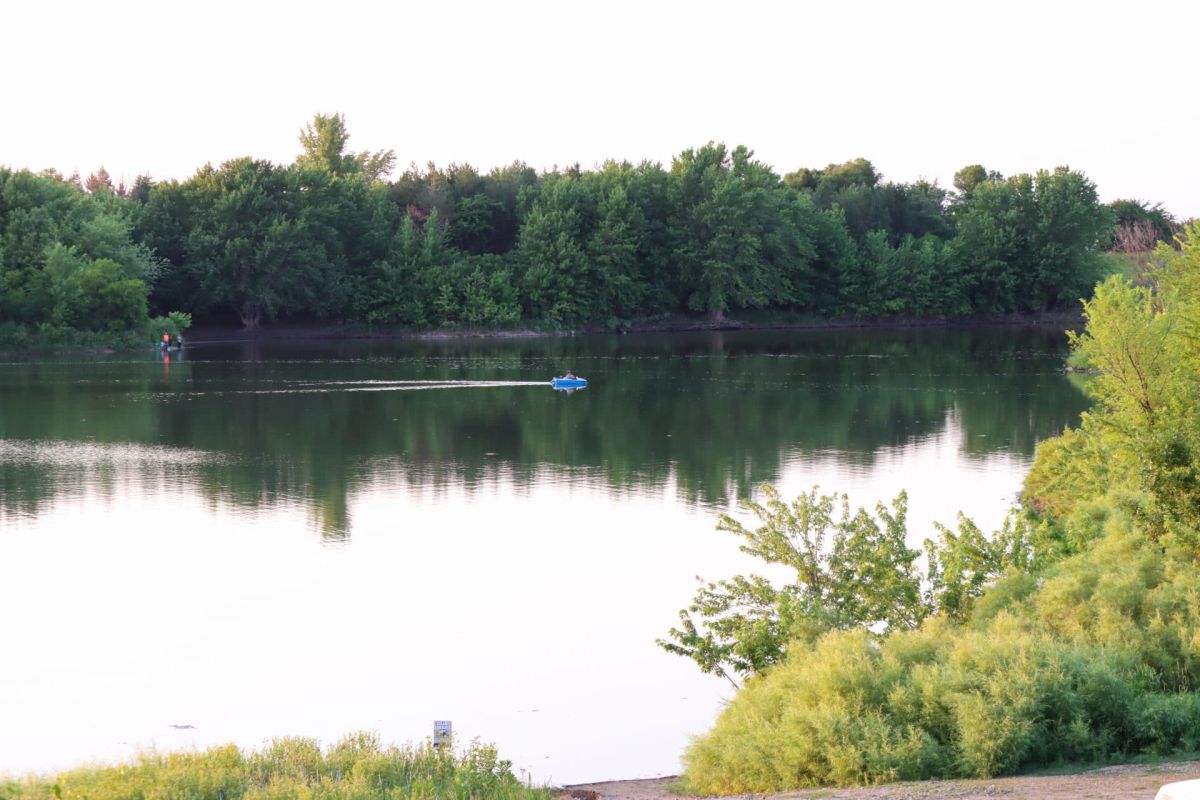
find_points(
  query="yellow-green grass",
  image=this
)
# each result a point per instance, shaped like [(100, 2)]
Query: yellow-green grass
[(358, 767)]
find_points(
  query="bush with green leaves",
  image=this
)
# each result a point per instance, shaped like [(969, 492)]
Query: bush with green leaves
[(851, 571)]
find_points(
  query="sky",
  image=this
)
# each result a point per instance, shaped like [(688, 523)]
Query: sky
[(920, 88)]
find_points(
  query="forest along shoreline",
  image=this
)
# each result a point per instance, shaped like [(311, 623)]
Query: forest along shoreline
[(715, 235)]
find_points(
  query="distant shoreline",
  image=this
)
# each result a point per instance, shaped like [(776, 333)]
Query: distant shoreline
[(216, 332), (322, 331)]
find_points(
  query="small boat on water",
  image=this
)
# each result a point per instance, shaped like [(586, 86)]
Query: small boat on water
[(569, 383)]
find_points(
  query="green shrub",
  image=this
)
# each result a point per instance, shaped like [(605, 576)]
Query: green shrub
[(1095, 663), (1165, 723)]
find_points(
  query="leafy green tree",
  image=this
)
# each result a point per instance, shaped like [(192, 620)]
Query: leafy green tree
[(613, 251), (916, 209), (477, 219), (646, 218), (489, 295), (393, 295), (1030, 242), (555, 281), (69, 260), (859, 172), (1145, 432), (139, 192), (323, 144), (744, 240), (251, 247), (967, 179), (850, 571)]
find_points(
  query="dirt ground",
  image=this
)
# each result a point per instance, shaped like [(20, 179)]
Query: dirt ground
[(1125, 782)]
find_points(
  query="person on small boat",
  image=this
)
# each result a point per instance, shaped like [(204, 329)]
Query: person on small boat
[(570, 375)]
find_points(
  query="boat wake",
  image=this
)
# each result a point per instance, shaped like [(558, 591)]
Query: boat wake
[(326, 387)]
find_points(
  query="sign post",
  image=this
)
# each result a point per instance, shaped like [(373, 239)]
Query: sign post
[(441, 733)]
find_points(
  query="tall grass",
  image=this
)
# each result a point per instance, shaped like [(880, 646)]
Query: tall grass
[(358, 767)]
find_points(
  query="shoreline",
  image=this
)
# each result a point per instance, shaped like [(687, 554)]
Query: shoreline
[(1112, 782), (318, 331), (211, 333)]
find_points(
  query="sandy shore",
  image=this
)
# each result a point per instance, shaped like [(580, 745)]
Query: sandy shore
[(1124, 782)]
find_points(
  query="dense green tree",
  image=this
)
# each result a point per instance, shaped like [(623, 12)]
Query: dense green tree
[(251, 247), (969, 177), (745, 240), (613, 249), (558, 282), (850, 571), (69, 259), (1029, 242), (851, 187), (323, 142), (916, 209), (1144, 434), (139, 192)]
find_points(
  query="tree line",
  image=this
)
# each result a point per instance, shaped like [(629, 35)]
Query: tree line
[(331, 237)]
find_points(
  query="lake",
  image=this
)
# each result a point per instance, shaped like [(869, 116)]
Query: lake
[(249, 540)]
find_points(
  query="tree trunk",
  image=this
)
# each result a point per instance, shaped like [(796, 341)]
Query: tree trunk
[(249, 318)]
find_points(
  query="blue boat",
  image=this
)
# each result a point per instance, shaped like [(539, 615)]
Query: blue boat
[(568, 383)]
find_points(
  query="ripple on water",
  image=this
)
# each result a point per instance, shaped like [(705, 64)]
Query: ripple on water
[(90, 454)]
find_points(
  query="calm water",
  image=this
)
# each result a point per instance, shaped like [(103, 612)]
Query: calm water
[(253, 540)]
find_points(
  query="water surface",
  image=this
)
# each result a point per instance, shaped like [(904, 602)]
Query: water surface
[(256, 539)]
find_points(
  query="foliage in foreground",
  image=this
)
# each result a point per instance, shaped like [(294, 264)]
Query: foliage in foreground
[(1101, 661), (1081, 641), (357, 767), (851, 571)]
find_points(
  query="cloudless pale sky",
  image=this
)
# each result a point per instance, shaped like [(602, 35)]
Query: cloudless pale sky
[(920, 88)]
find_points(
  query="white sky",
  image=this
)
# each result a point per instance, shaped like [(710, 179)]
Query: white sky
[(920, 88)]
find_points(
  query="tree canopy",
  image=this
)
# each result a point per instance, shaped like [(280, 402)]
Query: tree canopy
[(333, 236)]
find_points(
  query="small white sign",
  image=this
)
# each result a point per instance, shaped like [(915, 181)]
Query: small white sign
[(441, 732)]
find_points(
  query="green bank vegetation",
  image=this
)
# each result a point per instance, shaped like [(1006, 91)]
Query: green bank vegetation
[(1072, 635), (330, 237), (358, 767), (71, 269)]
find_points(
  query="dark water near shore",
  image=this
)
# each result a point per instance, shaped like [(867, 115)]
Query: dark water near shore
[(313, 538)]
